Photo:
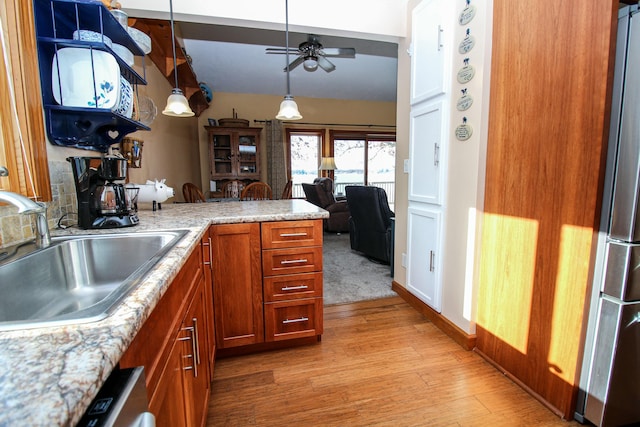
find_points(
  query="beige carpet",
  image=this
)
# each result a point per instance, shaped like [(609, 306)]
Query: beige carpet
[(349, 276)]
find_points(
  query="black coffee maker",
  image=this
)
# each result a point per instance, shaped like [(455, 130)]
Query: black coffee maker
[(102, 202)]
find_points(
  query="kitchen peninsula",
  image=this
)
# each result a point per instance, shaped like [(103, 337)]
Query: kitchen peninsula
[(48, 376)]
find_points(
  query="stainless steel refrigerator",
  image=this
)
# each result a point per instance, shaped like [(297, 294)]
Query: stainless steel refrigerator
[(610, 377)]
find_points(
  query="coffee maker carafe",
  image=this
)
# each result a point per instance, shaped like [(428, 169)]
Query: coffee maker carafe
[(102, 202)]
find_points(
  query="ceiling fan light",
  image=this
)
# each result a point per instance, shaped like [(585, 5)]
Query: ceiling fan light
[(177, 105), (288, 109), (310, 63)]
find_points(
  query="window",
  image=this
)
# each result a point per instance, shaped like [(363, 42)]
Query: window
[(304, 158), (23, 141), (364, 159)]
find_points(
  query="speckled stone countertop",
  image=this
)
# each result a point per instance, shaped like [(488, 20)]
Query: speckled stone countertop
[(49, 376)]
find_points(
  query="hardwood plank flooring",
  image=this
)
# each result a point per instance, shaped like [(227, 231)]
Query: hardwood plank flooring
[(380, 363)]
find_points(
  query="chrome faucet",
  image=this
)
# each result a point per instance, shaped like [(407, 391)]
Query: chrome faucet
[(26, 205)]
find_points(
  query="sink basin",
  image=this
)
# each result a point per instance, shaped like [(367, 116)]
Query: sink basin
[(78, 278)]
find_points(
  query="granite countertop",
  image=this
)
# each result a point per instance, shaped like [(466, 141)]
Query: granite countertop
[(49, 376)]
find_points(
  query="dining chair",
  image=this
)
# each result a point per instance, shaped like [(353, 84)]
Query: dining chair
[(287, 192), (257, 191), (192, 193), (232, 189)]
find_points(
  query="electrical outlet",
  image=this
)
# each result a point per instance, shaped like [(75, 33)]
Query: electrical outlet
[(406, 165), (404, 260)]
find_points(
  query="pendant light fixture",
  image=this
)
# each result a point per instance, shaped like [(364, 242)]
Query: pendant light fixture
[(177, 104), (288, 107)]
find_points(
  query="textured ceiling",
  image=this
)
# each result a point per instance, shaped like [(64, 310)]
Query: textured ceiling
[(233, 59)]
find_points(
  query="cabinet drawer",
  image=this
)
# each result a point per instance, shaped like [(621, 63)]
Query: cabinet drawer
[(293, 319), (291, 261), (290, 234), (293, 286)]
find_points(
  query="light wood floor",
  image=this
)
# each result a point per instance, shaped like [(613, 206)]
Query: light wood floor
[(379, 363)]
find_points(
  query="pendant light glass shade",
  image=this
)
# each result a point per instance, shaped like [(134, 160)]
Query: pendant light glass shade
[(177, 104), (288, 109)]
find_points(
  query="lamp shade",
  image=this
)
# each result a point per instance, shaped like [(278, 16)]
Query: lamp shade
[(288, 109), (177, 105), (327, 164)]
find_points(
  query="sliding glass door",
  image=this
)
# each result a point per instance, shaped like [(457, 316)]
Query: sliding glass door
[(364, 159)]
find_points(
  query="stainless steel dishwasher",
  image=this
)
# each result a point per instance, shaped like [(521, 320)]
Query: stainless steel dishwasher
[(121, 402)]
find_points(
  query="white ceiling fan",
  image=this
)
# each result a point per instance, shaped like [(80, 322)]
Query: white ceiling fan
[(312, 54)]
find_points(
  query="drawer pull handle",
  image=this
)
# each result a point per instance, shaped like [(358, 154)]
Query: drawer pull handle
[(293, 261), (294, 288), (207, 261), (293, 234), (195, 350), (301, 319)]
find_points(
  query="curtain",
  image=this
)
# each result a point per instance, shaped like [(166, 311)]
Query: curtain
[(276, 160)]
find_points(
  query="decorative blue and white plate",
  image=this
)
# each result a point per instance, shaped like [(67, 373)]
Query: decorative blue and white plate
[(125, 103), (87, 78)]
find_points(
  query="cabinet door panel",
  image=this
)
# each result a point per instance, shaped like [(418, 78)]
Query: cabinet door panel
[(430, 46), (423, 256), (167, 402), (207, 256), (237, 284), (196, 373), (427, 153)]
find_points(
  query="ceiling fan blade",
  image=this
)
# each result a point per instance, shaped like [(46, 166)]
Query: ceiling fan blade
[(325, 64), (299, 60), (345, 52), (281, 50)]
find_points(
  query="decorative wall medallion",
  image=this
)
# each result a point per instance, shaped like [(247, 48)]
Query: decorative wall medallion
[(467, 43), (467, 14), (464, 102), (464, 131), (466, 73)]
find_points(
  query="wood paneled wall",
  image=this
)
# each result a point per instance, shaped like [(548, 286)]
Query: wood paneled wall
[(548, 124)]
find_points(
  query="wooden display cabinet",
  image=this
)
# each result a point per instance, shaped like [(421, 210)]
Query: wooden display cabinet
[(234, 153)]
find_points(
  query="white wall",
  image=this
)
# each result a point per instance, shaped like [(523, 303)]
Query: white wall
[(465, 178), (378, 19)]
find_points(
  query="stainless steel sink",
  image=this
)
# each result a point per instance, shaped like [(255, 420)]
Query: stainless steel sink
[(78, 278)]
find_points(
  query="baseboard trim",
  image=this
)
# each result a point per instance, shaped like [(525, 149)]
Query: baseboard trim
[(466, 341), (522, 385), (266, 346)]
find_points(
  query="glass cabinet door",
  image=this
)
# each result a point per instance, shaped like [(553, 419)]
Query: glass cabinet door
[(247, 158), (222, 154)]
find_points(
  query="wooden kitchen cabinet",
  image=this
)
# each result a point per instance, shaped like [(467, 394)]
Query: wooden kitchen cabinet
[(195, 360), (237, 284), (173, 347), (207, 262), (292, 268), (167, 402), (234, 153), (267, 282)]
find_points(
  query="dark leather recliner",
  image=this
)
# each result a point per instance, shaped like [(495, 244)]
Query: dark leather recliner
[(320, 193), (370, 222)]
